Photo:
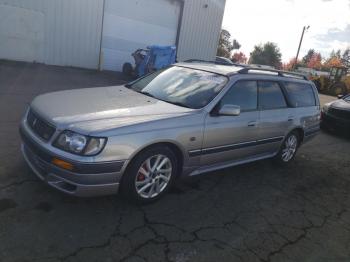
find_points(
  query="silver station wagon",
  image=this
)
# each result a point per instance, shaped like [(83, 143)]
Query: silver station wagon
[(185, 120)]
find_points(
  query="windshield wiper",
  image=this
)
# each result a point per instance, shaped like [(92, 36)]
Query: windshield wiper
[(147, 94), (170, 102), (177, 103)]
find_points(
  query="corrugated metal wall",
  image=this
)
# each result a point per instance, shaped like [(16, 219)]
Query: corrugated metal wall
[(200, 29), (68, 32), (132, 24), (58, 32)]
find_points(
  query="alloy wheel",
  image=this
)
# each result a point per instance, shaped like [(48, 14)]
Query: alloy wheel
[(290, 147), (153, 176)]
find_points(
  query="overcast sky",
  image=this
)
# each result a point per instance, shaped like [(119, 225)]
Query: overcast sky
[(281, 21)]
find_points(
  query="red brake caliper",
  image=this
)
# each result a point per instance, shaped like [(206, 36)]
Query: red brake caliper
[(140, 176)]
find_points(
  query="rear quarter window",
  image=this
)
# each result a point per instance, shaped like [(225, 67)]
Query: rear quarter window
[(300, 95)]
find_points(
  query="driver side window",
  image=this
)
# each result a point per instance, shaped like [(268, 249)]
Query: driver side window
[(243, 94)]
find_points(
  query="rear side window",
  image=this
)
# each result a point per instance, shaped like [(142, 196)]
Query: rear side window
[(271, 96), (300, 95), (243, 94)]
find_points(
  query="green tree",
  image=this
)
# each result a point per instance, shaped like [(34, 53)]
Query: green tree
[(267, 54), (338, 54), (335, 54), (235, 44), (346, 57), (306, 59), (226, 45)]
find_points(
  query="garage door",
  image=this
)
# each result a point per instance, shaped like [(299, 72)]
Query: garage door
[(132, 24), (60, 32)]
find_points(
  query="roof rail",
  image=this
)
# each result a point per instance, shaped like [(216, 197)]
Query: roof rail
[(278, 72), (199, 61), (212, 62)]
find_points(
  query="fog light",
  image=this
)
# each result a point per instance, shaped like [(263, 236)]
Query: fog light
[(62, 164)]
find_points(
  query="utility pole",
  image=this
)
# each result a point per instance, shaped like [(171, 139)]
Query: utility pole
[(301, 40)]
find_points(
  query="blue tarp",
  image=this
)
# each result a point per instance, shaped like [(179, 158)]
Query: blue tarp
[(157, 58)]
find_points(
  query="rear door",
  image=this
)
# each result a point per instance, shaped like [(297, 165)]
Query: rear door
[(276, 117)]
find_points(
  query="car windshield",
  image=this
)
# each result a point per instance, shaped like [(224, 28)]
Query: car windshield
[(347, 98), (181, 86)]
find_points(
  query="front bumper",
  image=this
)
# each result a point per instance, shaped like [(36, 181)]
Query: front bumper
[(89, 179), (335, 123)]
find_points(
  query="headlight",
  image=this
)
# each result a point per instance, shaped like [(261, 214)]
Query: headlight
[(79, 144)]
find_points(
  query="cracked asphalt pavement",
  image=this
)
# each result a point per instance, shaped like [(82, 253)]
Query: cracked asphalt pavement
[(255, 212)]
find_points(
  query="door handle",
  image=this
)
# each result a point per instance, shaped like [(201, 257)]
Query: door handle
[(252, 123), (291, 118)]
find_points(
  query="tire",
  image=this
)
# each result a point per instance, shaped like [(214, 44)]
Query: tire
[(127, 69), (288, 149), (338, 89), (323, 126), (142, 183)]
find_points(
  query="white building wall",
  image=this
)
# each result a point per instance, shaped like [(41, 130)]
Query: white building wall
[(58, 32), (68, 32), (132, 24), (200, 29)]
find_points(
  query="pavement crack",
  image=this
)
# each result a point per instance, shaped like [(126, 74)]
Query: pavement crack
[(302, 236), (96, 246), (18, 183)]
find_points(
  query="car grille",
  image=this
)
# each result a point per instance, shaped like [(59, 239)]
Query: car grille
[(39, 126), (340, 113)]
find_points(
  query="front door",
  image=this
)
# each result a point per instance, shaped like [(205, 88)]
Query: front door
[(228, 138)]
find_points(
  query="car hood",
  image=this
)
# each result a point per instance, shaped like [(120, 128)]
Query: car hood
[(341, 104), (102, 107)]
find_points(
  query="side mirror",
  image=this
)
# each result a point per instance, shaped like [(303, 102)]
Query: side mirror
[(230, 110), (340, 96)]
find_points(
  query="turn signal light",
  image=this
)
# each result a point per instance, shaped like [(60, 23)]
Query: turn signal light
[(62, 164)]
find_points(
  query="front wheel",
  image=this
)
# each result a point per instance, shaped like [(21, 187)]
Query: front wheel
[(288, 149), (150, 175)]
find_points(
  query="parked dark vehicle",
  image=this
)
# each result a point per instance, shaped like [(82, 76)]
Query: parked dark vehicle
[(336, 115)]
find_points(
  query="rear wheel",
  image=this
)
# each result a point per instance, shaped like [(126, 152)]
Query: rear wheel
[(150, 175), (289, 148), (338, 89)]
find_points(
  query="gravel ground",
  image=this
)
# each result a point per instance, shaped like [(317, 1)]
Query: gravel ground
[(254, 212)]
